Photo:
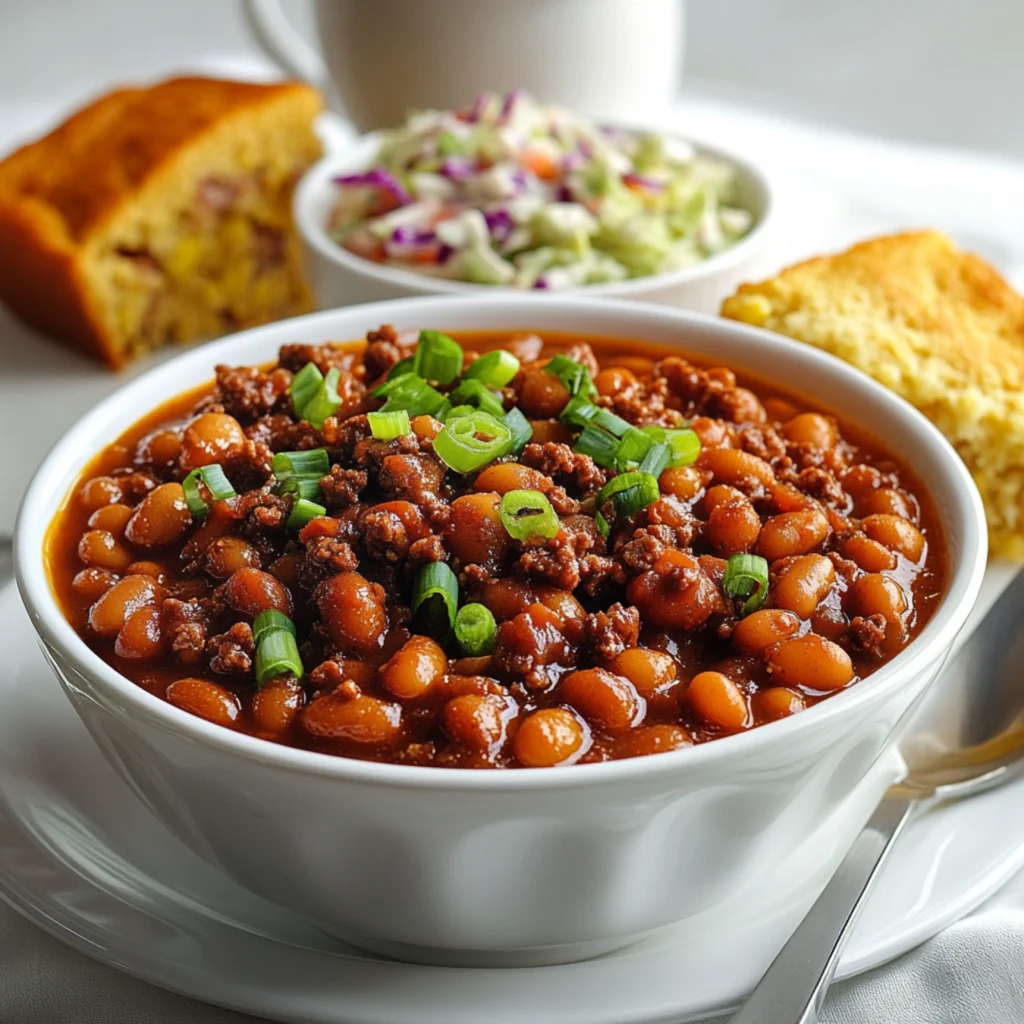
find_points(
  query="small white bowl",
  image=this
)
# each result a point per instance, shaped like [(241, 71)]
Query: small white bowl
[(341, 278), (518, 866)]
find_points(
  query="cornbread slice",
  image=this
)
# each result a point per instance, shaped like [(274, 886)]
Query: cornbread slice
[(159, 214), (939, 327)]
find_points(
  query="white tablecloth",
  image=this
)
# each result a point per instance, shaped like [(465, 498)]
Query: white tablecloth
[(971, 973)]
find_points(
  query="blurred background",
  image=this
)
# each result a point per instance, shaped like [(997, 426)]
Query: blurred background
[(939, 71)]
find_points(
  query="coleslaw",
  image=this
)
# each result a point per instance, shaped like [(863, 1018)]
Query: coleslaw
[(511, 192)]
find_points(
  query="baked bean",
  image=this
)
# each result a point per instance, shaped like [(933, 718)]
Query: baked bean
[(745, 407), (159, 450), (100, 491), (606, 700), (810, 428), (140, 637), (780, 410), (810, 661), (251, 591), (763, 628), (722, 494), (100, 548), (614, 380), (717, 700), (653, 739), (111, 518), (143, 568), (860, 480), (479, 721), (226, 555), (875, 594), (550, 737), (275, 706), (286, 569), (502, 477), (353, 610), (111, 611), (646, 669), (213, 437), (551, 432), (561, 602), (737, 468), (206, 700), (896, 534), (732, 527), (683, 482), (475, 534), (414, 668), (507, 598), (792, 533), (92, 584), (161, 518), (868, 554), (887, 501), (541, 394), (426, 428), (360, 720), (676, 593), (775, 703), (804, 584)]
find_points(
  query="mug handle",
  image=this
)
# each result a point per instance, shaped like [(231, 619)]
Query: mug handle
[(281, 43)]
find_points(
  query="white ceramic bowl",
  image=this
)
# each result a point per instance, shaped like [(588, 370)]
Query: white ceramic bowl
[(341, 278), (531, 865)]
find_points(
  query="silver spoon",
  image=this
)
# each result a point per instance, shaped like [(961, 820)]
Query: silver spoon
[(967, 736)]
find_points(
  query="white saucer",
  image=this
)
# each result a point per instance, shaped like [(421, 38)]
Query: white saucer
[(84, 860)]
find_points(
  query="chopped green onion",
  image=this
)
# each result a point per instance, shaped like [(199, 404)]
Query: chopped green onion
[(299, 487), (656, 460), (313, 463), (684, 444), (747, 576), (528, 514), (521, 429), (217, 484), (414, 395), (325, 400), (599, 445), (438, 357), (276, 655), (575, 376), (435, 596), (302, 512), (474, 392), (394, 383), (579, 411), (305, 384), (495, 369), (629, 493), (402, 366), (459, 410), (386, 426), (475, 629), (267, 622), (469, 442), (635, 444)]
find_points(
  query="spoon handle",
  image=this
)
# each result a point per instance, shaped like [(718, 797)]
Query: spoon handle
[(794, 986)]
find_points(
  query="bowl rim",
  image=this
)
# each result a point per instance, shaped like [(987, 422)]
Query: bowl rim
[(49, 488), (356, 154)]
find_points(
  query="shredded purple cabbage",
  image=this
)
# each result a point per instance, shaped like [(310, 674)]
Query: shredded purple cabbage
[(406, 234), (477, 110), (458, 168), (499, 223), (378, 177), (638, 179), (509, 105), (565, 194), (541, 282), (444, 254)]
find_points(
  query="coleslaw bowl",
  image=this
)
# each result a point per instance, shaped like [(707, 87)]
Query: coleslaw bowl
[(530, 866)]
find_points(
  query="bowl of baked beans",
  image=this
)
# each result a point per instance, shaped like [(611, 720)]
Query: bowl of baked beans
[(503, 630)]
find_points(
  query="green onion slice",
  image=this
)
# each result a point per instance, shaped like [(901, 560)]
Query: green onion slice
[(629, 493), (467, 443), (413, 395), (386, 426), (299, 487), (268, 621), (217, 485), (395, 382), (656, 460), (475, 629), (684, 444), (474, 392), (305, 384), (599, 445), (324, 401), (302, 512), (313, 463), (580, 411), (635, 444), (575, 376), (495, 369), (276, 655), (747, 576), (438, 357), (528, 514), (402, 366), (521, 429), (435, 596)]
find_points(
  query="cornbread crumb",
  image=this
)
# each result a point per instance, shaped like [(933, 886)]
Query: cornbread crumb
[(937, 326), (158, 215)]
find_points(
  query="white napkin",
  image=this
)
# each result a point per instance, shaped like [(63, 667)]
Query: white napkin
[(842, 187)]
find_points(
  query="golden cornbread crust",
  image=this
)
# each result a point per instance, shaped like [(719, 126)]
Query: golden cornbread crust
[(127, 225), (939, 327)]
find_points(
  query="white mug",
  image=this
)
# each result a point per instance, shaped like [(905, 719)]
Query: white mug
[(618, 59)]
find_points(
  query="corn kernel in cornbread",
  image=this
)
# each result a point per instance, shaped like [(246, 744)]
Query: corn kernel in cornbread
[(937, 326), (159, 215)]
